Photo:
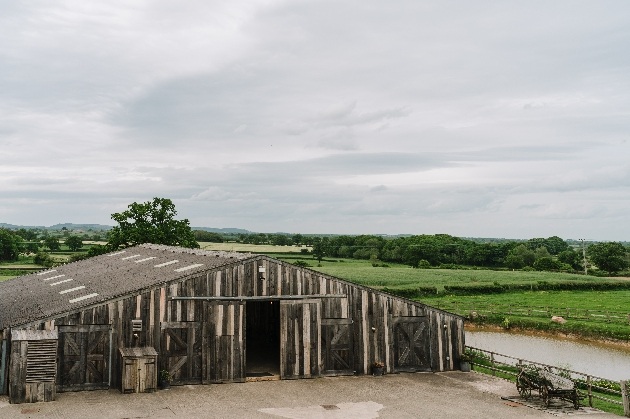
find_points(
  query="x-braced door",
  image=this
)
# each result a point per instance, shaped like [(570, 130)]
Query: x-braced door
[(411, 344), (181, 351), (337, 347), (84, 356), (300, 338), (223, 342)]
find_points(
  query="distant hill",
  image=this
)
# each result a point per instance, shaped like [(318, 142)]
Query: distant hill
[(68, 226), (223, 230)]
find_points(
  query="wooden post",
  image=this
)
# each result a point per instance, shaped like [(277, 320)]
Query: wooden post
[(3, 366), (590, 390), (492, 363), (626, 398)]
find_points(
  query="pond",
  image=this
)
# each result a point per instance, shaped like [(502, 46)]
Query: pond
[(592, 358)]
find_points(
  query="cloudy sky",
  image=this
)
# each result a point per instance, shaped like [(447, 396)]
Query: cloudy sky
[(472, 118)]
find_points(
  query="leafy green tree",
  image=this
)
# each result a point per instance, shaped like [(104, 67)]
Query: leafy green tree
[(320, 248), (207, 236), (52, 243), (31, 247), (97, 249), (546, 264), (571, 258), (608, 256), (520, 257), (150, 222), (28, 235), (74, 243), (43, 259), (555, 245), (9, 245), (297, 239)]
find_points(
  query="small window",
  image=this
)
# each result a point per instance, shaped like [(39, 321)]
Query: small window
[(136, 325)]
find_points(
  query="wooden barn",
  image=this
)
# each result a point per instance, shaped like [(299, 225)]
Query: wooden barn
[(115, 320)]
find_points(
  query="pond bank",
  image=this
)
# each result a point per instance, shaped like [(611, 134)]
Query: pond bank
[(554, 333), (601, 359)]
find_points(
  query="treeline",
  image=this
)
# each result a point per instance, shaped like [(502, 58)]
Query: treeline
[(445, 251), (442, 249)]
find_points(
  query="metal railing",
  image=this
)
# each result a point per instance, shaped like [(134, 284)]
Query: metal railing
[(596, 388)]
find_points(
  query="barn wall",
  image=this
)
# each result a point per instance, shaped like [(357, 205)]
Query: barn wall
[(373, 314)]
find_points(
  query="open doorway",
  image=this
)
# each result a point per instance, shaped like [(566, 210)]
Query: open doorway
[(263, 339)]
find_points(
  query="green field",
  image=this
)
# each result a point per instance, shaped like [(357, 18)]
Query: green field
[(596, 314)]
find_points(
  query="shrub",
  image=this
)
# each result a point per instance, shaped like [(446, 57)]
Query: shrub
[(43, 259), (424, 264), (301, 263)]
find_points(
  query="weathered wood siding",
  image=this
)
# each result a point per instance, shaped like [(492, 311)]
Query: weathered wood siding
[(181, 330)]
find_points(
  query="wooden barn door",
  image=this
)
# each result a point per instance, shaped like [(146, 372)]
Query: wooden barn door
[(411, 344), (181, 351), (223, 342), (337, 347), (84, 356), (300, 338)]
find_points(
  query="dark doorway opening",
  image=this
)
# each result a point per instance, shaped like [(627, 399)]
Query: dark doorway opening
[(262, 339)]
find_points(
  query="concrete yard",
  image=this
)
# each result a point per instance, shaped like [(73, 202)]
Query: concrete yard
[(427, 395)]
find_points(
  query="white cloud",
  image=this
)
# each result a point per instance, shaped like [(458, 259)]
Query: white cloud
[(318, 116)]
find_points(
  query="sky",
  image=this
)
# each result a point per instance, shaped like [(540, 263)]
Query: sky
[(475, 119)]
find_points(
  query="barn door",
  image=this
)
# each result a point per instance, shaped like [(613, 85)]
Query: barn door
[(84, 356), (300, 338), (223, 358), (411, 344), (181, 351), (337, 347)]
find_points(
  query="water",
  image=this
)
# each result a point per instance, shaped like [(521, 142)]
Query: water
[(590, 358)]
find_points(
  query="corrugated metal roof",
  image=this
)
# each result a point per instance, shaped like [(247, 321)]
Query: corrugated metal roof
[(69, 287)]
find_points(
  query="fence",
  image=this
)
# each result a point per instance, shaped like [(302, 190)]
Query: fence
[(596, 388), (480, 309)]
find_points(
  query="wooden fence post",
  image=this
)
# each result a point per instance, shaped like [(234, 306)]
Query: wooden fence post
[(494, 372), (626, 398), (590, 390)]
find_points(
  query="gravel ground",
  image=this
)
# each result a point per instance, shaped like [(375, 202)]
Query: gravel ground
[(431, 395)]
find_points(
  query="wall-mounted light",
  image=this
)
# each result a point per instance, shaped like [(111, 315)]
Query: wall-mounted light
[(261, 273)]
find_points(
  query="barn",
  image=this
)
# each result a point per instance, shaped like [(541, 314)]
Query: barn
[(116, 320)]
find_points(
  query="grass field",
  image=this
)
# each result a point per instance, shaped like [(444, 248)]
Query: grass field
[(595, 314)]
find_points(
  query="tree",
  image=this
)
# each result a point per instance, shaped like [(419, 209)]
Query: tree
[(150, 222), (207, 236), (74, 243), (608, 256), (9, 245), (52, 243), (571, 257), (320, 248), (520, 256), (546, 264)]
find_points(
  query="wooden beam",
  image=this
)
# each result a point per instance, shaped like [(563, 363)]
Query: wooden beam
[(262, 297)]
